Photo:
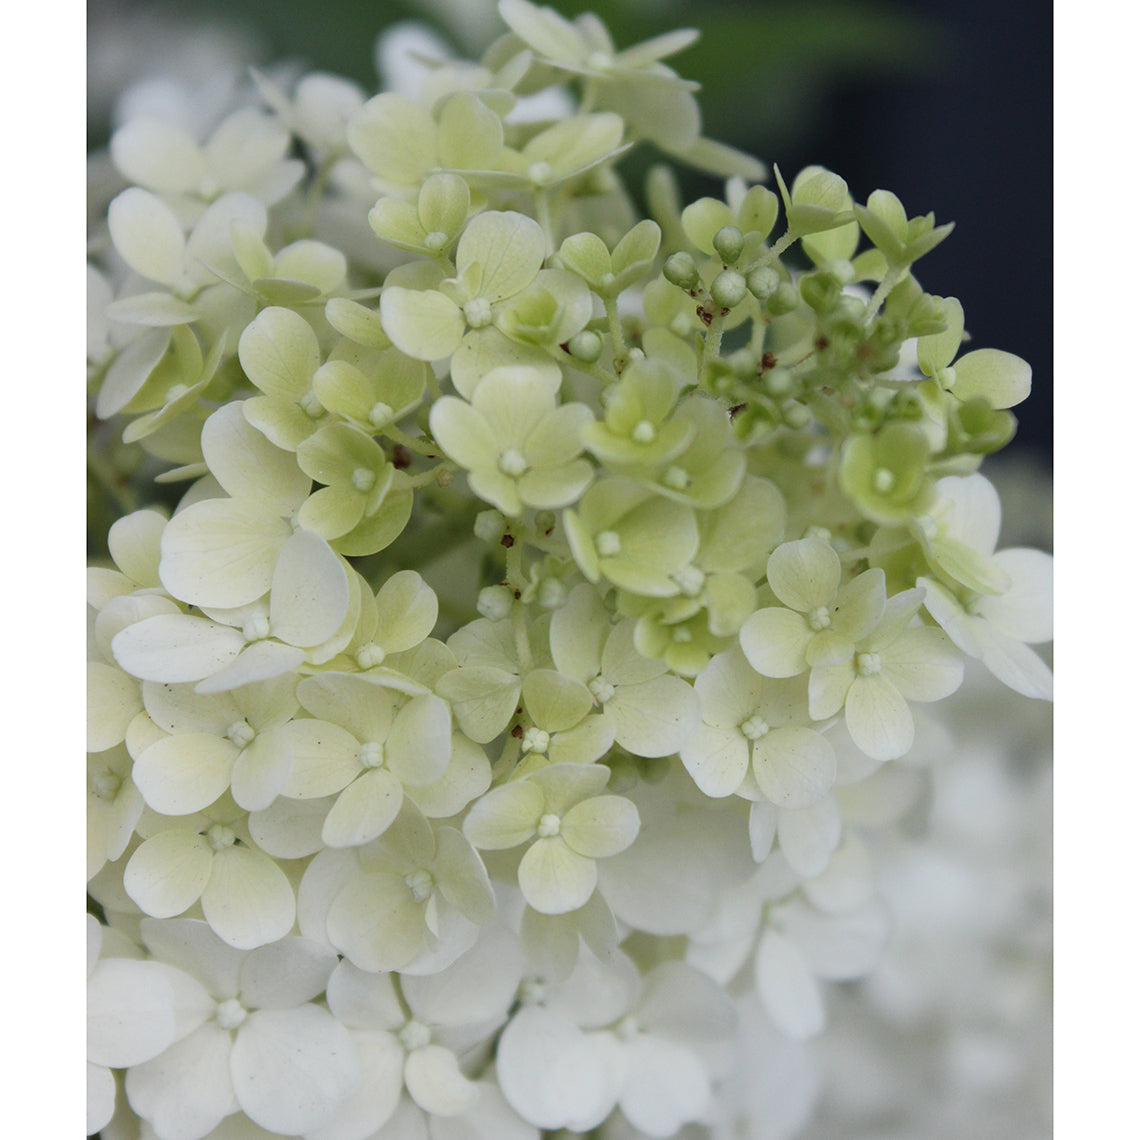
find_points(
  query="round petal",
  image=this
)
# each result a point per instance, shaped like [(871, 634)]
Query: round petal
[(790, 994), (248, 900), (804, 574), (554, 879), (775, 641), (878, 718), (168, 872), (179, 775), (667, 1086), (293, 1068), (423, 323), (794, 767), (601, 826), (364, 810), (435, 1083)]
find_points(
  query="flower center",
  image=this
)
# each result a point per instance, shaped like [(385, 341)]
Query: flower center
[(363, 478), (435, 241), (601, 688), (477, 312), (535, 740), (255, 627), (755, 726), (532, 991), (608, 544), (549, 825), (868, 664), (219, 837), (539, 172), (371, 754), (420, 883), (598, 61), (369, 656), (682, 634), (230, 1014), (311, 406), (240, 733), (513, 463), (819, 618), (644, 432), (676, 478), (380, 413), (414, 1035), (691, 579), (883, 481)]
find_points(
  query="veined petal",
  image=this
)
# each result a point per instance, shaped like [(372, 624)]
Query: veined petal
[(285, 974), (794, 767), (923, 664), (293, 1068), (364, 810), (654, 718), (505, 817), (419, 746), (804, 574), (716, 758), (878, 718), (248, 900), (1025, 611), (600, 826), (775, 641), (309, 594), (148, 236), (376, 923), (168, 872), (509, 248), (423, 323), (554, 879), (179, 775)]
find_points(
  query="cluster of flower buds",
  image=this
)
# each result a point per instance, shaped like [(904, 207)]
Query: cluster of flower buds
[(516, 611)]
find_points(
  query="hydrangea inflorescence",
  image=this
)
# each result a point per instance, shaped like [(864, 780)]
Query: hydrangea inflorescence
[(496, 713)]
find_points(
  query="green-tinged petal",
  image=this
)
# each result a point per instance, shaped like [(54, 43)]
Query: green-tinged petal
[(279, 353), (505, 816), (791, 996), (423, 323), (935, 352), (310, 591), (923, 664), (179, 775), (775, 641), (418, 747), (482, 698), (395, 138), (168, 872), (508, 247), (583, 744), (555, 702), (794, 767), (147, 236), (555, 880), (331, 512), (805, 574), (464, 433), (376, 923), (861, 605), (878, 718), (325, 759), (654, 718), (1002, 378), (828, 686), (470, 134), (364, 810), (113, 700), (461, 876), (408, 610), (176, 647), (600, 826), (261, 770), (248, 901)]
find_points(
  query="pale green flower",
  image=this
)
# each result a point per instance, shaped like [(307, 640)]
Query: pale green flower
[(519, 447), (562, 811)]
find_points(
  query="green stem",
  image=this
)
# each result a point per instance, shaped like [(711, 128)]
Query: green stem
[(893, 277), (617, 336)]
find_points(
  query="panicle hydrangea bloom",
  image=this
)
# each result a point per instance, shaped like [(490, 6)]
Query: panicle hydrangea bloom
[(501, 675)]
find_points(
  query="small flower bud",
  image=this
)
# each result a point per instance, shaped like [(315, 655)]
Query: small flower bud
[(796, 416), (784, 300), (490, 526), (763, 282), (778, 382), (495, 602), (681, 270), (586, 346), (729, 289), (820, 291), (728, 242)]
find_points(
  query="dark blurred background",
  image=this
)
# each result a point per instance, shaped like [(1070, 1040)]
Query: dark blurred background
[(948, 103)]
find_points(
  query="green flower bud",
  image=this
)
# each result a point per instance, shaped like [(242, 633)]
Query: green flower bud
[(495, 602), (490, 526), (586, 346), (778, 382), (796, 416), (544, 521), (681, 270), (785, 299), (728, 243), (729, 289), (821, 291), (763, 282)]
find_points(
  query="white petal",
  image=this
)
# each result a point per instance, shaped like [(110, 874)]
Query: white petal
[(804, 574), (113, 700), (285, 974), (654, 718), (794, 766), (168, 872), (100, 1097), (309, 595), (548, 1071), (179, 775), (600, 826), (508, 247), (248, 900), (790, 994), (555, 879), (176, 647), (361, 999), (1025, 611), (878, 718), (148, 236), (667, 1086), (187, 1091), (423, 323), (374, 1102), (775, 641), (435, 1083), (364, 810), (293, 1068), (839, 947), (809, 836)]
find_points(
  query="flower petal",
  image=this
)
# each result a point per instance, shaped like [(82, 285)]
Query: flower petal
[(248, 900)]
